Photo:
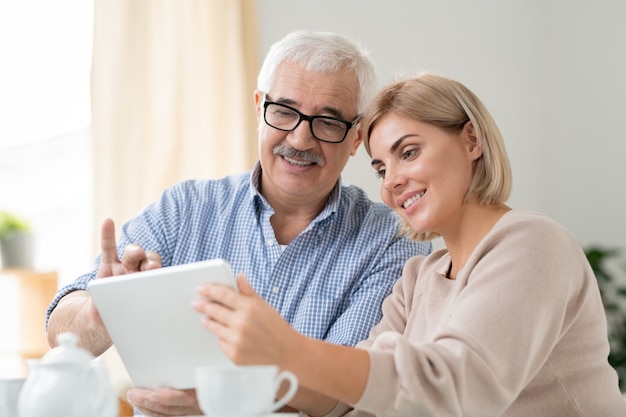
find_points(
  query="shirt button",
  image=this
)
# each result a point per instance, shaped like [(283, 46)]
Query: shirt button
[(269, 243), (275, 290)]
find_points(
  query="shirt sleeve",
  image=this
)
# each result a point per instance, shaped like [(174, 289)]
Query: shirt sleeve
[(395, 307), (359, 316), (393, 320)]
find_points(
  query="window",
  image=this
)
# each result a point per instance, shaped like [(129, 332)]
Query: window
[(45, 150)]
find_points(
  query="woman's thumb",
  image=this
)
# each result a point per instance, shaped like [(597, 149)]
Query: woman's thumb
[(244, 286)]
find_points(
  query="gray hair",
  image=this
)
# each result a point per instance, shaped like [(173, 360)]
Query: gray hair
[(324, 52)]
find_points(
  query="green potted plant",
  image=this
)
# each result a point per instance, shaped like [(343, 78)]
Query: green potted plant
[(614, 300), (16, 241)]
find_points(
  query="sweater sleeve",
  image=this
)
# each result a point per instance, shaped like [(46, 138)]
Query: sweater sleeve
[(394, 310), (516, 296)]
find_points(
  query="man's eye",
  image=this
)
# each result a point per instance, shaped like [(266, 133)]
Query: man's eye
[(283, 113), (331, 124)]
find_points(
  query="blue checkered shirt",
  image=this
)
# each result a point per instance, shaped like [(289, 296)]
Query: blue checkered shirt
[(328, 282)]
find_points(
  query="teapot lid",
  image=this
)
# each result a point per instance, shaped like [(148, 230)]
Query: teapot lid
[(67, 351)]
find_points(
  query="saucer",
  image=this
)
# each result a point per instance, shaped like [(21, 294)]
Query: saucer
[(261, 415)]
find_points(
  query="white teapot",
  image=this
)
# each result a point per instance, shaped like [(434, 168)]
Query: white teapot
[(67, 382)]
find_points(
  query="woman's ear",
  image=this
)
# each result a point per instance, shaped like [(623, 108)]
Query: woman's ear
[(471, 139)]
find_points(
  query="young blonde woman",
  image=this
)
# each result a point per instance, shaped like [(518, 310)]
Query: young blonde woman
[(506, 321)]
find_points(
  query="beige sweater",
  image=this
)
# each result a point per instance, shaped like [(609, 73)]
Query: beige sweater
[(521, 332)]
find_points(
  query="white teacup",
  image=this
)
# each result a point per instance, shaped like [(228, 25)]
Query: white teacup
[(9, 393), (242, 390)]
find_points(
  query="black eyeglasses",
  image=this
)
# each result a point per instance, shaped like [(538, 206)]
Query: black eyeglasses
[(324, 128)]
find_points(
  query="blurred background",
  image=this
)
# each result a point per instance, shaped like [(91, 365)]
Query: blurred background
[(104, 103)]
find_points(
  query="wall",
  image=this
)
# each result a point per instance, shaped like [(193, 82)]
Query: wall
[(552, 74)]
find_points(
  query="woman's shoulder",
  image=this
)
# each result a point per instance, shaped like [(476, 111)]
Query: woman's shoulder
[(530, 221), (526, 215), (525, 230)]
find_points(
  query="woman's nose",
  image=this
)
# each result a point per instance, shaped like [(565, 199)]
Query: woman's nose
[(394, 179)]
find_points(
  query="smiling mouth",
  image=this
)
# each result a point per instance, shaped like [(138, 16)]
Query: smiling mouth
[(299, 163), (298, 158), (413, 199)]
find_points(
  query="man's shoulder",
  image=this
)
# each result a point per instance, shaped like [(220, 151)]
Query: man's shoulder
[(375, 219), (356, 200), (226, 184)]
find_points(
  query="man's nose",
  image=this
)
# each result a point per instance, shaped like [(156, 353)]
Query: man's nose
[(301, 137)]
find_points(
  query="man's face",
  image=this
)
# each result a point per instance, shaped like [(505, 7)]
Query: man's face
[(307, 176)]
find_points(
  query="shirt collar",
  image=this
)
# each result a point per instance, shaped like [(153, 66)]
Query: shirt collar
[(331, 207)]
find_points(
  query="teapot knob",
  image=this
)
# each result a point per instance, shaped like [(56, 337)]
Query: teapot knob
[(68, 351), (67, 339)]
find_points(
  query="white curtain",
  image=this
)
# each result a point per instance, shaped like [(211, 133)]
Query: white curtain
[(172, 97)]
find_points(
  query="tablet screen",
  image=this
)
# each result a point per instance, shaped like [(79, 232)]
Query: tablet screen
[(148, 314)]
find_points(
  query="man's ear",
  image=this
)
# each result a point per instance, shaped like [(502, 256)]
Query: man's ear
[(258, 102), (474, 146), (358, 139)]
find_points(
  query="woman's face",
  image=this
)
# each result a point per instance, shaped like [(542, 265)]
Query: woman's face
[(425, 170)]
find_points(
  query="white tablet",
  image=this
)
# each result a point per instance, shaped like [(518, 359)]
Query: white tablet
[(149, 317)]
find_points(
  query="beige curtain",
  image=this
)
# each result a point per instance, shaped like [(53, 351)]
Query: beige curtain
[(172, 97)]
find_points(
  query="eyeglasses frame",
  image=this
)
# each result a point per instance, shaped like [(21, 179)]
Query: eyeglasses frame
[(349, 125)]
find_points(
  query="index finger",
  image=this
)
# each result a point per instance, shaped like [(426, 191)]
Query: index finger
[(107, 242)]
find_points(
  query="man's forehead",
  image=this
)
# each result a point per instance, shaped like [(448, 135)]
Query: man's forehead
[(315, 91)]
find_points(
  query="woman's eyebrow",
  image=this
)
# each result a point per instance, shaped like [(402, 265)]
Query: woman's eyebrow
[(397, 143), (393, 147)]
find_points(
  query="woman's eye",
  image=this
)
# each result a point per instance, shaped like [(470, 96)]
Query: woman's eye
[(380, 173), (409, 153)]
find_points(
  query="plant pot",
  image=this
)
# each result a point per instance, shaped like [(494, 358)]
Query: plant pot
[(17, 250)]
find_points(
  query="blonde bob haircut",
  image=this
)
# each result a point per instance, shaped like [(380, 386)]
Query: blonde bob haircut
[(449, 105)]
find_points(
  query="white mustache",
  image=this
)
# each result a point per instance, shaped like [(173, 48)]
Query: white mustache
[(289, 152)]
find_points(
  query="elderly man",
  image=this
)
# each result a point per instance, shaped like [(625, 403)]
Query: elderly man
[(319, 251)]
